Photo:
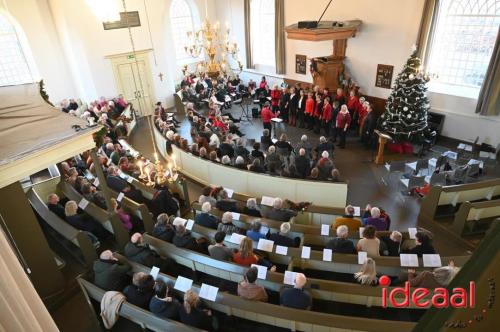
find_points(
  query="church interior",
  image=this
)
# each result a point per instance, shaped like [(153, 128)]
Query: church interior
[(249, 165)]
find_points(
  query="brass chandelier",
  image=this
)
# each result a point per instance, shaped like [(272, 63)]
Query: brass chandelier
[(216, 46)]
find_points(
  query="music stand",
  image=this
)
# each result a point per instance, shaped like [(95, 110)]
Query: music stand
[(382, 139), (245, 113)]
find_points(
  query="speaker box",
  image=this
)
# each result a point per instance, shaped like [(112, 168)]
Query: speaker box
[(308, 24)]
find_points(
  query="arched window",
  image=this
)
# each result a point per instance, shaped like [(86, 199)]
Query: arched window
[(182, 20), (15, 64), (463, 41), (262, 16)]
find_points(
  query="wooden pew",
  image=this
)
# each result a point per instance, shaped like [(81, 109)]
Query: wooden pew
[(472, 215), (180, 106), (445, 201), (310, 234), (320, 289), (280, 316), (344, 263), (129, 114), (144, 318), (322, 193), (109, 220), (141, 210), (75, 236)]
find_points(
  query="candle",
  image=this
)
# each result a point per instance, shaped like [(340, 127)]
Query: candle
[(175, 163), (148, 172), (140, 167), (170, 170), (156, 157)]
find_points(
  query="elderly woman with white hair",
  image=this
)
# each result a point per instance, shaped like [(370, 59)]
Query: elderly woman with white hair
[(170, 141), (325, 166), (240, 163), (304, 144), (376, 220), (343, 122), (251, 208), (282, 238), (204, 218), (227, 225), (109, 273), (341, 244)]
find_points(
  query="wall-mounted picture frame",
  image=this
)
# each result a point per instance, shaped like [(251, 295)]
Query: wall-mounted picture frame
[(300, 64), (384, 76)]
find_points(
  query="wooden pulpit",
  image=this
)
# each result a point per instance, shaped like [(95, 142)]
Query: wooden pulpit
[(382, 139), (329, 68)]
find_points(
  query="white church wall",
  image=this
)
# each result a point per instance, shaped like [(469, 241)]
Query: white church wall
[(389, 30)]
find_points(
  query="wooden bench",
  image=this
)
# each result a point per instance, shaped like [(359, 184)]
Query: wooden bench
[(311, 234), (280, 316), (144, 318), (75, 236), (443, 202), (326, 194), (320, 289), (180, 106), (109, 220), (472, 215), (343, 263)]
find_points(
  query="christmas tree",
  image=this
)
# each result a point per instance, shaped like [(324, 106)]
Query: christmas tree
[(405, 115)]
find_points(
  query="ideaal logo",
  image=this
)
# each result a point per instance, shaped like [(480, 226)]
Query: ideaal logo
[(460, 298), (441, 298)]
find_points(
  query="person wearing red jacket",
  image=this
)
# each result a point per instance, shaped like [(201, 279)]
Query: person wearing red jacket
[(309, 111), (362, 113), (343, 123), (354, 106), (275, 98), (266, 114), (318, 111), (326, 117)]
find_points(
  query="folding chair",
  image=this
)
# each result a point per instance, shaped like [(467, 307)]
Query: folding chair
[(394, 168), (472, 171), (436, 179), (460, 174), (418, 165), (413, 182)]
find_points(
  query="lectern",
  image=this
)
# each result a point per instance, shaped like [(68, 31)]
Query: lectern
[(382, 139), (331, 67)]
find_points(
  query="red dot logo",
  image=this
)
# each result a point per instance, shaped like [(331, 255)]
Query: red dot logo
[(384, 281)]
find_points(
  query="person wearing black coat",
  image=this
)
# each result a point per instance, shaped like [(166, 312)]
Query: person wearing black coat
[(225, 149), (54, 205), (292, 107), (162, 303), (163, 202), (183, 239), (301, 107), (164, 230), (109, 273), (423, 245), (369, 126), (392, 244), (224, 203), (84, 222), (204, 218), (116, 183), (302, 164), (282, 239), (284, 104), (141, 291), (193, 313), (341, 244), (138, 252)]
